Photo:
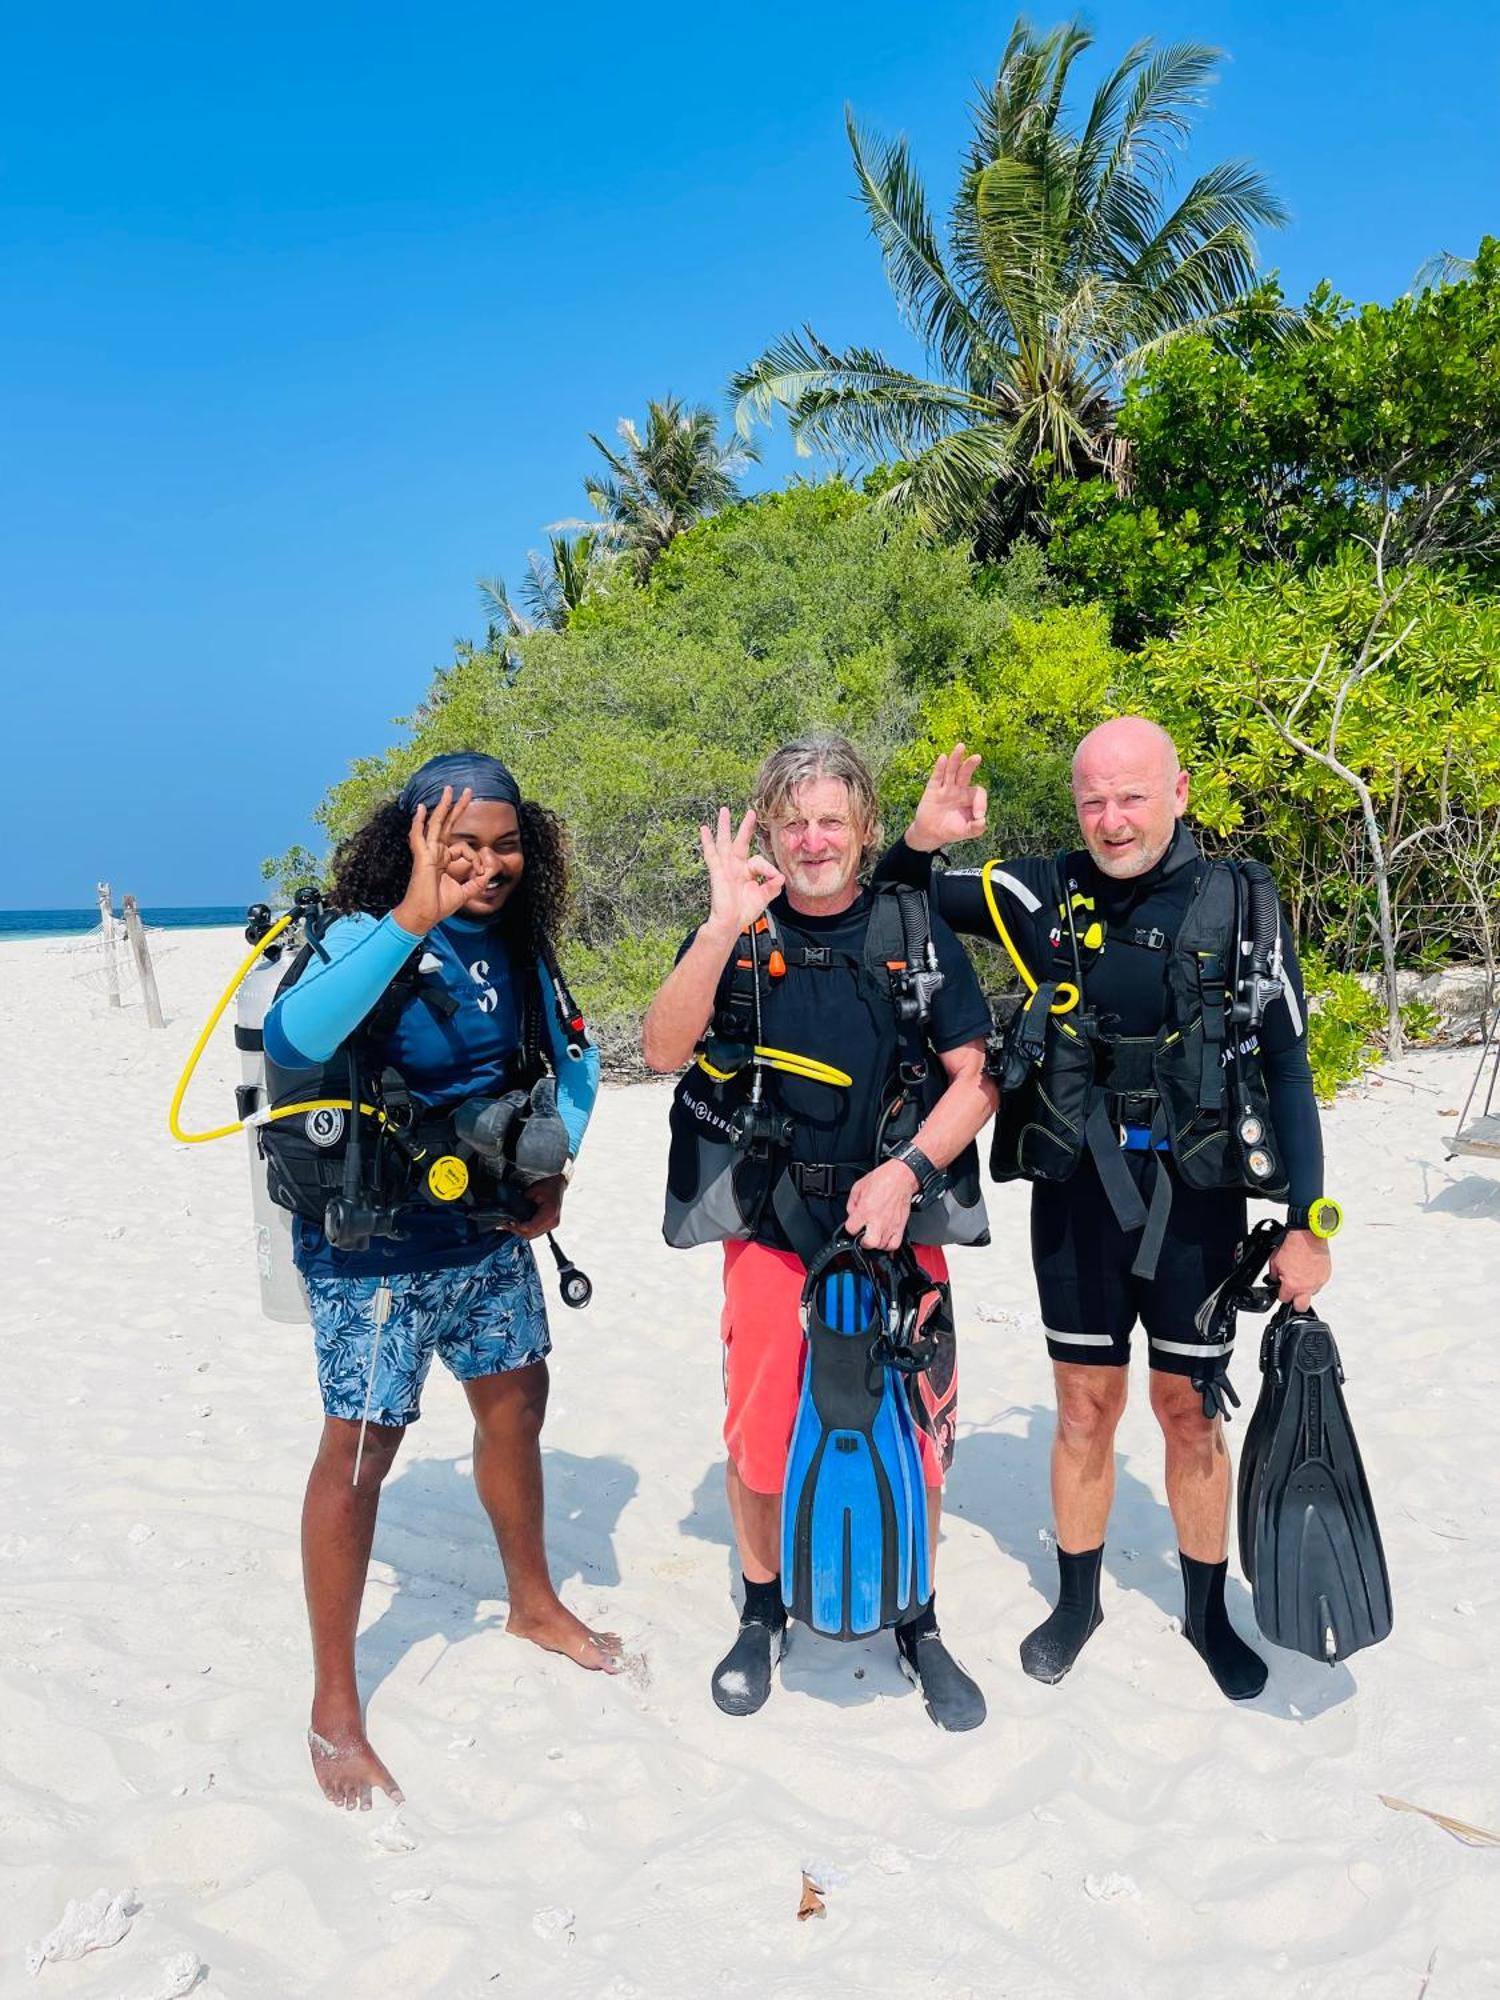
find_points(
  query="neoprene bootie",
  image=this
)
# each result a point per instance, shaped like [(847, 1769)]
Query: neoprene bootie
[(742, 1679), (1239, 1671), (1049, 1651), (952, 1697)]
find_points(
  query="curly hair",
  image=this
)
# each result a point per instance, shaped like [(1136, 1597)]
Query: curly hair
[(371, 867)]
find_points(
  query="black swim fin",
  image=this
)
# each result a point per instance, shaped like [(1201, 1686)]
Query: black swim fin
[(1309, 1542)]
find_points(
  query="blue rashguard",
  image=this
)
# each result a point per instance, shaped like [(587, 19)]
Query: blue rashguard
[(470, 1054)]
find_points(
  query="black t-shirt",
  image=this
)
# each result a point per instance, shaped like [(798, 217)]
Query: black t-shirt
[(840, 1016)]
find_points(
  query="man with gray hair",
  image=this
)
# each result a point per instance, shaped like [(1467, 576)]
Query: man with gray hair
[(853, 1089), (1154, 1074)]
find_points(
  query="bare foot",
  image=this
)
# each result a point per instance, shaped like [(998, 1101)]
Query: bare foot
[(556, 1630), (345, 1765)]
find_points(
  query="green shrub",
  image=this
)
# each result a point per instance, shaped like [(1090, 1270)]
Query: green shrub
[(1345, 1026), (1023, 706), (298, 868), (804, 609), (1420, 1022), (1421, 728)]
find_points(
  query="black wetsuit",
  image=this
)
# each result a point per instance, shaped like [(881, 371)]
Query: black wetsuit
[(1089, 1298)]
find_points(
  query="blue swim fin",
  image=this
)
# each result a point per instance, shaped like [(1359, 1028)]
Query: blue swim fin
[(854, 1505)]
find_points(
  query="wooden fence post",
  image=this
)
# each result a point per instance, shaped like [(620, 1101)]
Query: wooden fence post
[(135, 931), (111, 962)]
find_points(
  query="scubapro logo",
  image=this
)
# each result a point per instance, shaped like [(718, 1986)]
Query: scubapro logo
[(479, 972), (325, 1127)]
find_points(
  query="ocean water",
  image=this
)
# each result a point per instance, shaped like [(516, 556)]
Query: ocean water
[(76, 923)]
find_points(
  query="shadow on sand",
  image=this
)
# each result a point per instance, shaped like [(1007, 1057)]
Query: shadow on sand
[(1471, 1195), (433, 1533), (1000, 1483)]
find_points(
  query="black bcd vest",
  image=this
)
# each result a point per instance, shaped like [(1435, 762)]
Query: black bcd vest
[(406, 1149), (1198, 1083), (730, 1152)]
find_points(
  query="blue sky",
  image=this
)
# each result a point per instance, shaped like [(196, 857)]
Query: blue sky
[(305, 315)]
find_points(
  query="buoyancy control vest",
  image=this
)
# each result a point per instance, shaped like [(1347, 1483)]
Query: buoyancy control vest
[(368, 1149), (1196, 1088), (730, 1158)]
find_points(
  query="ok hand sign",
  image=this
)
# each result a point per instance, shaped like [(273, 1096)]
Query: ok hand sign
[(741, 883), (952, 808), (444, 879)]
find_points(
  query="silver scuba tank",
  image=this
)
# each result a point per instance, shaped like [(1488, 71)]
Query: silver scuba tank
[(281, 1293)]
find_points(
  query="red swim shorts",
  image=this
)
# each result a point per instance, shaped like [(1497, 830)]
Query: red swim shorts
[(763, 1359)]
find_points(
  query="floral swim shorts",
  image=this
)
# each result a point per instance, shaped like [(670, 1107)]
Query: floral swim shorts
[(480, 1319)]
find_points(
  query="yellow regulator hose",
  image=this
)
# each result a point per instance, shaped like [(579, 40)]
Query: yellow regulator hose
[(1061, 1005), (807, 1067), (174, 1124)]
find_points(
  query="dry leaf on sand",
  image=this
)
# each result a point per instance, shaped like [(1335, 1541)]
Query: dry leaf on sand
[(1471, 1836)]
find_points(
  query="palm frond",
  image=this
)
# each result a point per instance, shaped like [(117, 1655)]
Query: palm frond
[(1229, 198), (894, 200), (1170, 84), (1283, 324), (501, 613), (1101, 127), (1210, 281), (1444, 267), (856, 399), (1069, 42), (1024, 212), (949, 485), (1029, 87)]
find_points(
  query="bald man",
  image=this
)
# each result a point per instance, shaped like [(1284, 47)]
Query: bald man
[(1148, 1089)]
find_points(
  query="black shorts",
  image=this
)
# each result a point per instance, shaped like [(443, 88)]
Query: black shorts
[(1082, 1257)]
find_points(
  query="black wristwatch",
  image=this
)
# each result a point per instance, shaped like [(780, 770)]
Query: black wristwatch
[(1323, 1217), (932, 1182)]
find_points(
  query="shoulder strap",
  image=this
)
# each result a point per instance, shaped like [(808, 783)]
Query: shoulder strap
[(1209, 939), (569, 1017), (407, 986), (1066, 952), (899, 952), (295, 967), (756, 948)]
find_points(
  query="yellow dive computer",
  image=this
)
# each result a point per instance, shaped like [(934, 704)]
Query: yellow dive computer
[(1323, 1217)]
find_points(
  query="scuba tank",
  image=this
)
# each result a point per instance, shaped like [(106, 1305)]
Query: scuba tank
[(281, 1294), (281, 1291)]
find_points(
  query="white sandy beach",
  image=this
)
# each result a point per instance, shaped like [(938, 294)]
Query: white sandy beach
[(1126, 1834)]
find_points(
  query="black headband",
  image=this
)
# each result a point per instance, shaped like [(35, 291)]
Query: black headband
[(485, 776)]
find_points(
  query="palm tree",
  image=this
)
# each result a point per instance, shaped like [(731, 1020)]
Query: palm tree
[(554, 586), (1068, 262), (661, 483)]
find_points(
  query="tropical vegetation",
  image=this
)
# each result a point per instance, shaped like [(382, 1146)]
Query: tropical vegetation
[(1070, 259), (1133, 479)]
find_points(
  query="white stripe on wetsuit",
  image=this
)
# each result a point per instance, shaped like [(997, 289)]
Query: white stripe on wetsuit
[(1193, 1347), (1078, 1339), (1012, 883)]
